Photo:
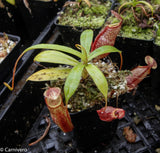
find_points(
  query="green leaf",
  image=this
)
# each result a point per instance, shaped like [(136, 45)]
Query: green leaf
[(84, 54), (50, 74), (55, 47), (98, 78), (124, 4), (148, 4), (85, 57), (51, 56), (102, 50), (12, 2), (86, 39), (72, 81)]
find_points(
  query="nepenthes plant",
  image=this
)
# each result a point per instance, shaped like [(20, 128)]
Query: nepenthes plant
[(82, 80), (133, 4), (139, 19), (142, 12)]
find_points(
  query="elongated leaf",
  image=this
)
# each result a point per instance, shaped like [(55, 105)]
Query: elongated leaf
[(49, 74), (12, 2), (148, 4), (51, 56), (42, 46), (84, 58), (124, 4), (86, 40), (102, 50), (55, 47), (98, 78), (72, 81)]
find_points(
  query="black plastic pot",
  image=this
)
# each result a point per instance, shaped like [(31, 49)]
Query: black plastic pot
[(90, 131), (6, 66), (10, 20), (38, 15), (134, 51), (71, 35), (156, 75), (7, 24)]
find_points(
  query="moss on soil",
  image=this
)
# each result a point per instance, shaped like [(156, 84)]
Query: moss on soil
[(157, 40), (131, 29), (83, 16)]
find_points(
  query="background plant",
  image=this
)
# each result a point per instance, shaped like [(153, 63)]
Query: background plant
[(84, 15), (138, 19), (134, 4)]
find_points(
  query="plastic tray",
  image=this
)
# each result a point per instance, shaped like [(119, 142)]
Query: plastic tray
[(147, 132)]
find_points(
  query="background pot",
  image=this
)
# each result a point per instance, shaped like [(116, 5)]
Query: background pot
[(10, 20), (6, 66), (133, 40), (134, 51), (155, 75), (38, 15), (70, 35)]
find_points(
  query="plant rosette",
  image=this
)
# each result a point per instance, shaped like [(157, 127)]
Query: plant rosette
[(85, 86), (105, 80)]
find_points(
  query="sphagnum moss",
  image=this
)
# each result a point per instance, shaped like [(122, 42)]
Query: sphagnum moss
[(85, 17), (130, 28)]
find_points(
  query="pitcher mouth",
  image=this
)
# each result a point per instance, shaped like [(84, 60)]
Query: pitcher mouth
[(52, 97)]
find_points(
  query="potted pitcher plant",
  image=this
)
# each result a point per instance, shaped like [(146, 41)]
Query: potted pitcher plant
[(137, 32), (77, 97)]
